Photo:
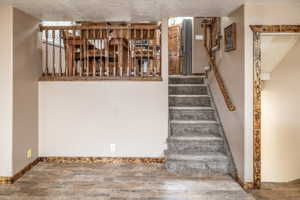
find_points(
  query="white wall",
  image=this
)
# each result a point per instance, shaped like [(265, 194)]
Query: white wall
[(6, 100), (280, 119), (231, 68), (27, 59), (84, 118)]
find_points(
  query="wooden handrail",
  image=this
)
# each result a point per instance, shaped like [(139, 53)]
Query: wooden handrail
[(84, 27), (220, 82)]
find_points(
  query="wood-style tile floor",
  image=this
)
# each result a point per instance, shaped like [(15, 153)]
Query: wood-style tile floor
[(117, 182), (278, 191)]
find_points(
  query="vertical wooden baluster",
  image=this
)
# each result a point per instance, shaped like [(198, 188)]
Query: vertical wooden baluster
[(159, 57), (94, 60), (114, 69), (129, 51), (46, 51), (80, 52), (120, 53), (87, 52), (142, 52), (53, 52), (154, 59), (101, 51), (135, 68), (74, 66), (60, 47), (107, 53), (67, 63), (148, 55)]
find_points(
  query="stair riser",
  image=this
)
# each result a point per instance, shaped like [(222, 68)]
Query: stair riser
[(192, 115), (188, 90), (205, 167), (195, 147), (194, 129), (189, 101), (186, 81)]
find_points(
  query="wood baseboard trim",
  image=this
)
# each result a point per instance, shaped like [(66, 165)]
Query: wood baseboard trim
[(11, 180), (244, 185), (5, 180), (102, 160)]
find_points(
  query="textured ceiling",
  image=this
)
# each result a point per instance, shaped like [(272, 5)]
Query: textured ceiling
[(126, 10)]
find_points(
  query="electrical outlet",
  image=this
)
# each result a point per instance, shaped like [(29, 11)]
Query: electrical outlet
[(112, 148), (29, 153)]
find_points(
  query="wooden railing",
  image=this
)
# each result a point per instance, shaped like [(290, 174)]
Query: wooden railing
[(214, 44), (92, 52)]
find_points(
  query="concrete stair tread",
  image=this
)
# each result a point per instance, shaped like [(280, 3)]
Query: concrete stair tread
[(187, 76), (189, 95), (187, 85), (191, 108), (195, 138), (193, 122), (205, 157)]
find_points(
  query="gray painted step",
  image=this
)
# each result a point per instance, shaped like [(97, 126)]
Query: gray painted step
[(195, 145), (204, 128), (189, 100), (186, 80), (208, 163), (192, 114), (188, 89)]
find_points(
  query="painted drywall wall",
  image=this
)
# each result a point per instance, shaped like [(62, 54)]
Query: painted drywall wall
[(262, 14), (27, 62), (231, 68), (280, 120), (85, 118), (6, 100), (199, 56), (236, 68)]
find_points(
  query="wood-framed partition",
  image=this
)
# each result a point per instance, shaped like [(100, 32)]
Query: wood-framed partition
[(258, 30)]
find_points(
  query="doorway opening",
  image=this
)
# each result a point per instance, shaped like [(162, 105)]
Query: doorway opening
[(275, 82)]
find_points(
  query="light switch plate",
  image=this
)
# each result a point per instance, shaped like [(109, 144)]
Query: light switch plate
[(112, 148), (199, 37), (29, 153)]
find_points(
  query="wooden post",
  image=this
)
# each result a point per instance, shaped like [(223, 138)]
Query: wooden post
[(94, 61), (87, 56), (73, 69), (60, 47), (81, 59), (46, 49), (53, 52), (141, 52), (129, 52), (107, 53)]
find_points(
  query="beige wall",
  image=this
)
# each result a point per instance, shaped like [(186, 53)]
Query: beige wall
[(84, 118), (199, 56), (231, 68), (6, 100), (280, 120), (27, 59), (236, 69), (265, 14)]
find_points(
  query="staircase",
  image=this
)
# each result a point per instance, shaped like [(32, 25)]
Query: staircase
[(196, 142)]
